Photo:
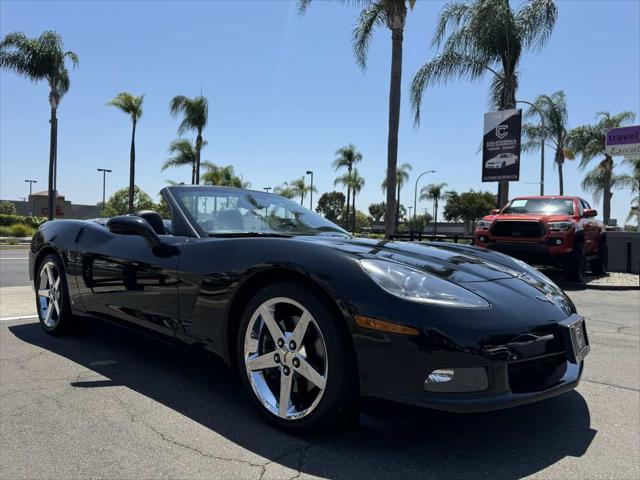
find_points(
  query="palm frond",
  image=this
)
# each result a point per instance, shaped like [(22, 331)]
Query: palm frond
[(536, 20), (370, 18)]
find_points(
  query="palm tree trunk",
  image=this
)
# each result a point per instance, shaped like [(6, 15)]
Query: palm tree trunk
[(132, 167), (353, 206), (435, 216), (348, 212), (507, 102), (395, 89), (397, 211), (198, 148), (560, 178), (51, 199)]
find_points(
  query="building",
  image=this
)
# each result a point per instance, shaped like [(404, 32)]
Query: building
[(38, 204)]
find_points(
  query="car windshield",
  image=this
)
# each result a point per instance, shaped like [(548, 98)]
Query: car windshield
[(540, 205), (220, 211)]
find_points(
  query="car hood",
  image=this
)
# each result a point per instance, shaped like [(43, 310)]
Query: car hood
[(454, 262), (556, 217)]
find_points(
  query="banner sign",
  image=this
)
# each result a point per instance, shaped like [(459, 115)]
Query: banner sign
[(623, 141), (501, 146)]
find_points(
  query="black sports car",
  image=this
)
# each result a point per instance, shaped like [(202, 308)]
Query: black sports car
[(311, 317)]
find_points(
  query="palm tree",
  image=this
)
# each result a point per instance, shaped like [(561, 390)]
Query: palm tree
[(184, 153), (131, 105), (392, 14), (555, 114), (347, 157), (42, 58), (402, 176), (633, 182), (285, 191), (195, 113), (222, 176), (433, 192), (588, 141), (485, 36), (301, 188), (357, 184)]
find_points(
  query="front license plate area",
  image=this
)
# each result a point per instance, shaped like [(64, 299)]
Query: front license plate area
[(575, 337)]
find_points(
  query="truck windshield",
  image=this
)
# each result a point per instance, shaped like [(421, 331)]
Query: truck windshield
[(563, 206)]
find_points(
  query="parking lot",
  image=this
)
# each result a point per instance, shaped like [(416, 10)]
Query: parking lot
[(108, 403)]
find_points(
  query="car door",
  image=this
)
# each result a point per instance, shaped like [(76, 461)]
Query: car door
[(122, 279)]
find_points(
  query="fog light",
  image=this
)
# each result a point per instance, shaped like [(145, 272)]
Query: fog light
[(457, 380), (558, 241), (483, 239), (441, 376)]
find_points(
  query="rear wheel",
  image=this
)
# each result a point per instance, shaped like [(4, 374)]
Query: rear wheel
[(52, 296), (294, 360), (575, 266)]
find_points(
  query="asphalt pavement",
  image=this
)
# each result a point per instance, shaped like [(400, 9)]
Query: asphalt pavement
[(109, 403), (14, 266)]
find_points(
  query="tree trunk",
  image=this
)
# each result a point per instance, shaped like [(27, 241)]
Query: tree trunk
[(132, 167), (607, 194), (198, 148), (353, 206), (51, 194), (397, 224), (435, 216), (348, 212), (193, 173), (395, 90), (560, 179), (507, 102)]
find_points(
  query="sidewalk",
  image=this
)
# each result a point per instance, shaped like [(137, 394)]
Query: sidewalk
[(17, 302)]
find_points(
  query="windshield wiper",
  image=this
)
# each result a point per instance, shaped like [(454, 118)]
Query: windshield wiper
[(250, 234)]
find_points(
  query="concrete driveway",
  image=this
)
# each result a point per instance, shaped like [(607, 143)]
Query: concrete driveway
[(109, 403)]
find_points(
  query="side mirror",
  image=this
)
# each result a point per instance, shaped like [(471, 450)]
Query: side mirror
[(589, 213), (495, 211), (130, 225)]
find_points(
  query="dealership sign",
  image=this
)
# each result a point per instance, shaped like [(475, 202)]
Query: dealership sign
[(501, 146), (623, 141)]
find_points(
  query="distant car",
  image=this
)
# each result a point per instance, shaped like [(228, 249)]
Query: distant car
[(310, 316), (502, 160), (548, 230)]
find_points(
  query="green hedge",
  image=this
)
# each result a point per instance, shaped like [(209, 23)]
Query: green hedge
[(33, 222)]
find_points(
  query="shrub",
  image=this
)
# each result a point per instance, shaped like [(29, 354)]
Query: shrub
[(7, 207), (21, 230), (33, 222), (5, 231)]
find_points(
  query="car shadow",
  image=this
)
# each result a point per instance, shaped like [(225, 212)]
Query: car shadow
[(404, 443)]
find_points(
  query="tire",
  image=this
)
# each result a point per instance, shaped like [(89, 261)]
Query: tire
[(326, 403), (575, 266), (599, 266), (53, 306)]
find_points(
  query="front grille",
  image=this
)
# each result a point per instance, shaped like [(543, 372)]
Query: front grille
[(537, 374), (515, 229)]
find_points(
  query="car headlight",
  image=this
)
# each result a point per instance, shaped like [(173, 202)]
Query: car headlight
[(484, 224), (559, 226), (418, 286)]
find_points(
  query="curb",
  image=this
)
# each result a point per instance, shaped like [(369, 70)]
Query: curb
[(613, 287)]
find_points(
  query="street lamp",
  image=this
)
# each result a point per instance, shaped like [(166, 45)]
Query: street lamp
[(104, 181), (309, 172), (415, 194), (544, 133), (266, 189), (31, 182), (414, 220)]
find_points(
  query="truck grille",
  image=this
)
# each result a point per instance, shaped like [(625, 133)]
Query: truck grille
[(515, 229), (537, 374)]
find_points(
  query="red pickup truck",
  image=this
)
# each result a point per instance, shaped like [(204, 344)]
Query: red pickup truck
[(548, 230)]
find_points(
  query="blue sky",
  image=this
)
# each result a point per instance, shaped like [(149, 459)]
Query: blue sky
[(285, 93)]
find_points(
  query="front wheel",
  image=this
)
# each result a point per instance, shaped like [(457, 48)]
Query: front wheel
[(575, 267), (52, 296), (295, 360)]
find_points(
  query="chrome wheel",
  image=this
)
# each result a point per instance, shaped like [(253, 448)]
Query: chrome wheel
[(49, 294), (285, 358)]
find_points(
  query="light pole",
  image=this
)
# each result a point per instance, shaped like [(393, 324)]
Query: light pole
[(544, 137), (104, 182), (415, 194), (414, 220), (31, 182), (266, 189), (309, 172)]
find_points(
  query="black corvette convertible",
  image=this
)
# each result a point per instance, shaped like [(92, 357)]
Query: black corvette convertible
[(311, 317)]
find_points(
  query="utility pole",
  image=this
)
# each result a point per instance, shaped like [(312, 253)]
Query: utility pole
[(309, 172), (31, 182), (104, 182), (415, 194), (542, 142)]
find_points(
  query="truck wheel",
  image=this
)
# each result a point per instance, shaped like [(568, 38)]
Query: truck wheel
[(575, 266), (599, 266)]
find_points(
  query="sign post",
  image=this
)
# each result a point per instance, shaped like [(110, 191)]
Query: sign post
[(501, 146)]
